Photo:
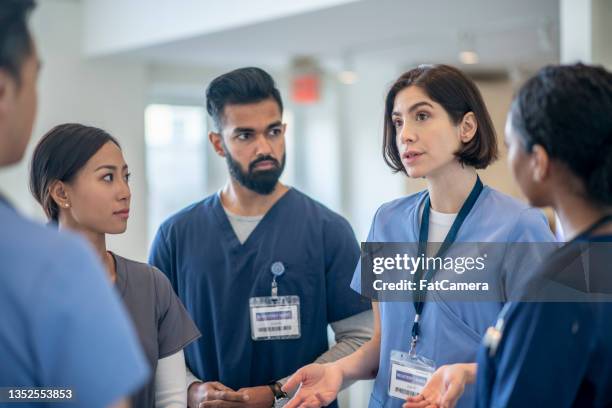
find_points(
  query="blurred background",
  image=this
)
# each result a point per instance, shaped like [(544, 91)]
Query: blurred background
[(138, 68)]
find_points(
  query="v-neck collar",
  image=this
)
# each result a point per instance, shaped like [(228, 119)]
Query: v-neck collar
[(416, 210), (226, 227)]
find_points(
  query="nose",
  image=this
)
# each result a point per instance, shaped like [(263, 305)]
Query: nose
[(124, 192), (263, 147), (406, 135)]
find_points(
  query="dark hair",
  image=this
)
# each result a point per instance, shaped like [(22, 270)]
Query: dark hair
[(568, 111), (59, 156), (458, 95), (241, 86), (15, 39)]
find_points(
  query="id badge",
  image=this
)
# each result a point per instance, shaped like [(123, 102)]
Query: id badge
[(275, 318), (409, 374)]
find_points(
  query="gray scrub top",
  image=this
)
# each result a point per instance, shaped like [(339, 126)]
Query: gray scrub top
[(159, 317)]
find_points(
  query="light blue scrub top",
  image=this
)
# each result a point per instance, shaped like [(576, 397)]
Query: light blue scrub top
[(62, 324), (450, 332)]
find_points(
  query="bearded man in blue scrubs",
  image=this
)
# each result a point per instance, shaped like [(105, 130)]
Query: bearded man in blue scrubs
[(261, 267)]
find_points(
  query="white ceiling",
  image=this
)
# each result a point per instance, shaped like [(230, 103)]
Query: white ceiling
[(505, 34)]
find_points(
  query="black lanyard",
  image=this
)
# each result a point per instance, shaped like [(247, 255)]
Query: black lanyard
[(419, 303), (585, 235)]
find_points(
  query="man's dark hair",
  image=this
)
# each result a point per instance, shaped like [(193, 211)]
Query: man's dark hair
[(567, 110), (458, 95), (239, 87), (15, 40), (59, 156)]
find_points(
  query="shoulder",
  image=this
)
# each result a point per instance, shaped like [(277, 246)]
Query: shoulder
[(519, 218), (147, 277), (315, 210), (503, 202), (399, 207), (143, 271), (34, 248)]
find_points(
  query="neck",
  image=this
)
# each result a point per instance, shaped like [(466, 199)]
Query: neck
[(242, 201), (577, 214), (450, 187), (98, 242)]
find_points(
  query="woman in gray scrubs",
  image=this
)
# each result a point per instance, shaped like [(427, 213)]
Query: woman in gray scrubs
[(80, 178)]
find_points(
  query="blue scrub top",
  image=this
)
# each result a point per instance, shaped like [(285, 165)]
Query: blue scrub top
[(215, 275), (553, 354), (450, 332), (62, 323)]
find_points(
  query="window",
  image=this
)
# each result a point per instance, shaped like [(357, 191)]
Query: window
[(175, 140)]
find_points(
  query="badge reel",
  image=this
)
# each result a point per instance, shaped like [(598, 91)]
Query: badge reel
[(409, 372), (275, 317)]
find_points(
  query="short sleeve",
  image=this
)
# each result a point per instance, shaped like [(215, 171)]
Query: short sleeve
[(161, 255), (82, 335), (341, 256), (529, 244), (175, 329)]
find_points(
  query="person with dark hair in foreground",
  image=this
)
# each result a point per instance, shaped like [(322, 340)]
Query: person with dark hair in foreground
[(261, 267), (548, 353), (63, 328), (79, 176)]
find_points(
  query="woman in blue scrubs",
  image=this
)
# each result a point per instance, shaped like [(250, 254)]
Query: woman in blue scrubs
[(436, 127), (80, 178)]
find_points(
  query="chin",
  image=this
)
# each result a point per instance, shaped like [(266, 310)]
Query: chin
[(414, 172), (118, 229)]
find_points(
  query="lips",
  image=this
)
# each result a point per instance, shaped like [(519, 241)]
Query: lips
[(122, 213), (411, 155)]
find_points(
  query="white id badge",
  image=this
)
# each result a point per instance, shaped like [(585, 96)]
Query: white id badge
[(275, 318), (409, 374)]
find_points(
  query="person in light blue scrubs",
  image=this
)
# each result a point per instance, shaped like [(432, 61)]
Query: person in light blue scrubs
[(436, 127), (62, 328)]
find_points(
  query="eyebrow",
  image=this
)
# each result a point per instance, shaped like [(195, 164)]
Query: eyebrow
[(413, 108), (110, 167), (246, 129)]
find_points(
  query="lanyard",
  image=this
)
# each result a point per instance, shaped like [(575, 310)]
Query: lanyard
[(585, 235), (467, 206)]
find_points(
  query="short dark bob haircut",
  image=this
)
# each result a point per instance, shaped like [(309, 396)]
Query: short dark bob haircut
[(458, 95)]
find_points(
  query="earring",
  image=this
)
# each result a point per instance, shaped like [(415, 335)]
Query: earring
[(66, 205)]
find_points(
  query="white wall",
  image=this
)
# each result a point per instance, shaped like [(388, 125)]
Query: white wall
[(105, 93)]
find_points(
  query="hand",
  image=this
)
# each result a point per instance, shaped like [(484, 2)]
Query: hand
[(320, 384), (214, 394), (258, 397), (444, 387)]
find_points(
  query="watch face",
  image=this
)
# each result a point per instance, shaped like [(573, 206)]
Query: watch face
[(280, 402)]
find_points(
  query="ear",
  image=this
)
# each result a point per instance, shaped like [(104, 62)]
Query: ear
[(58, 193), (468, 127), (216, 140), (539, 162)]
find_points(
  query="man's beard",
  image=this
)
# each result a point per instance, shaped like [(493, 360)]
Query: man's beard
[(259, 181)]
